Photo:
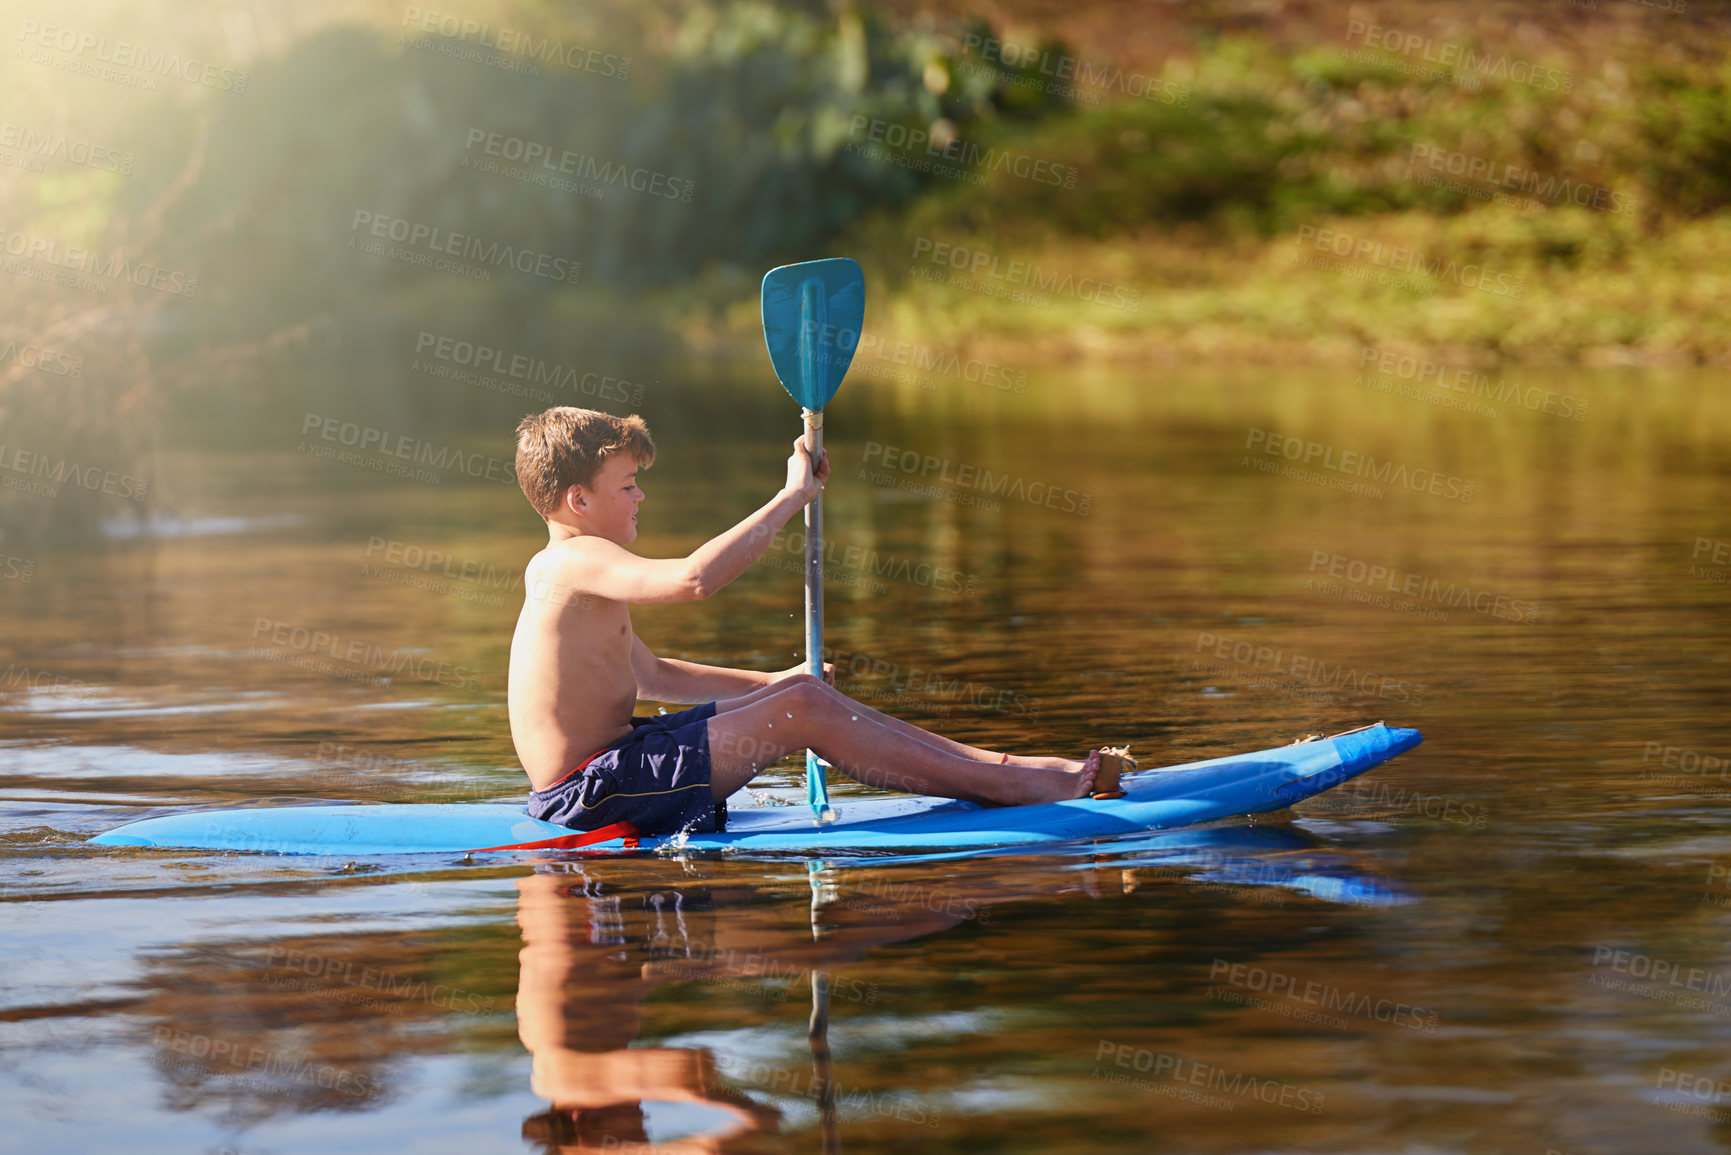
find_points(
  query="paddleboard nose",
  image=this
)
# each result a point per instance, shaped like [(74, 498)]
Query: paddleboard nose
[(1401, 739), (1359, 750)]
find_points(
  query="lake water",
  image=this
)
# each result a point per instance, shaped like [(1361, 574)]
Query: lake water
[(1512, 939)]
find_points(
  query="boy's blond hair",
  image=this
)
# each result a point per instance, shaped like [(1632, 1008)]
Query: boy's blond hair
[(566, 446)]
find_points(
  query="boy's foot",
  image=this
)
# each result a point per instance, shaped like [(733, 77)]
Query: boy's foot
[(1113, 761)]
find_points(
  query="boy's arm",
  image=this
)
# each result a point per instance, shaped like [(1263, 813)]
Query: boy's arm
[(612, 571), (671, 680), (674, 680)]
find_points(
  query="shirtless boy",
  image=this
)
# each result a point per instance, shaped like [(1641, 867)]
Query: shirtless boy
[(577, 670)]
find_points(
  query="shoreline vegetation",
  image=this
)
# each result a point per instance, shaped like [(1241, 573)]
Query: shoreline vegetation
[(1472, 183), (1405, 182)]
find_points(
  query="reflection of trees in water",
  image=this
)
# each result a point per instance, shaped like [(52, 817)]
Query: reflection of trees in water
[(250, 1031)]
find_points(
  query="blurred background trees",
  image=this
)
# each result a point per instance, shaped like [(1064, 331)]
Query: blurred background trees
[(1250, 126)]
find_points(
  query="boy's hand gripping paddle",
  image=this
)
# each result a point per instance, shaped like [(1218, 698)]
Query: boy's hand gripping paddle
[(812, 313)]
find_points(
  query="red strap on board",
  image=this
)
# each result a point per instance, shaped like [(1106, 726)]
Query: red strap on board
[(575, 839)]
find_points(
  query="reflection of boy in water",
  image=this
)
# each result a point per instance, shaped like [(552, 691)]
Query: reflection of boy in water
[(590, 958), (579, 1006)]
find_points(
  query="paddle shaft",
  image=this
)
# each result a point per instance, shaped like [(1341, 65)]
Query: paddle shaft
[(814, 552), (816, 789)]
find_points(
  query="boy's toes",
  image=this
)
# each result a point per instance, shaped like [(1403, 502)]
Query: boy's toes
[(1090, 770)]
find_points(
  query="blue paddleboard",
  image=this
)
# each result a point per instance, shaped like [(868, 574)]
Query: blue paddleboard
[(1154, 799)]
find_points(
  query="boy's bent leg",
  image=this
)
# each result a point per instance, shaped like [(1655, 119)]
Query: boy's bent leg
[(723, 705), (923, 735), (750, 737)]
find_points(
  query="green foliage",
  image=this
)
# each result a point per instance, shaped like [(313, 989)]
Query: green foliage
[(1683, 148), (754, 107)]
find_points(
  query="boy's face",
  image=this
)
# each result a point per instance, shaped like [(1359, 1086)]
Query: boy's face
[(609, 508)]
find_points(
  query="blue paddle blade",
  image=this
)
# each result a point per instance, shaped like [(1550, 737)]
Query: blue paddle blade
[(812, 313)]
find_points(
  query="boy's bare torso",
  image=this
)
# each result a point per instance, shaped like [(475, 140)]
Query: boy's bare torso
[(572, 689)]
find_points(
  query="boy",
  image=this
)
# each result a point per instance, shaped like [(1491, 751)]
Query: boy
[(577, 669)]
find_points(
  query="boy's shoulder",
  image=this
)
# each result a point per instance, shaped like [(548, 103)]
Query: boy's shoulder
[(560, 566), (568, 549)]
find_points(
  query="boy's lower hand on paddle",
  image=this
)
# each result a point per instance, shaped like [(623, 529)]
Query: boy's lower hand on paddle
[(796, 671)]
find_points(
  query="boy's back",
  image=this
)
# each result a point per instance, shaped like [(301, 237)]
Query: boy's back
[(572, 689)]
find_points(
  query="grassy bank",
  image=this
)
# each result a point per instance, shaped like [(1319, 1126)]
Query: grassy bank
[(1539, 203)]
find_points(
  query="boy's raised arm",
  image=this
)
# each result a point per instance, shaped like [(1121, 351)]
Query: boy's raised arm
[(614, 572)]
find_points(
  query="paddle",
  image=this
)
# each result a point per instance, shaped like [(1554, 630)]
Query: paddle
[(812, 314)]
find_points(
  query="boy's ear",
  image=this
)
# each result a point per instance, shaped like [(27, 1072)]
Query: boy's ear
[(574, 498)]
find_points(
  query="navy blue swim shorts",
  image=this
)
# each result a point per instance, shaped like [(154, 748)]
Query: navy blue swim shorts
[(656, 778)]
